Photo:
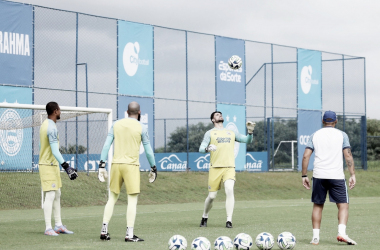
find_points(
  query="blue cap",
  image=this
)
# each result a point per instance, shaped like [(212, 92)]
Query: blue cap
[(329, 116)]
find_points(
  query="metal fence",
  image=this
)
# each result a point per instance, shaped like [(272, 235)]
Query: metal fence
[(75, 62)]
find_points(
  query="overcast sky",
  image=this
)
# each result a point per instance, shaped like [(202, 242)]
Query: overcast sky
[(350, 27)]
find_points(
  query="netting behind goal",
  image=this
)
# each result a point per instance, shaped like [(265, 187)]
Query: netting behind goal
[(81, 132)]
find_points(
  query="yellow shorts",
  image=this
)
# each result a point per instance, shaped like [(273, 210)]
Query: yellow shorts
[(217, 175), (50, 177), (129, 174)]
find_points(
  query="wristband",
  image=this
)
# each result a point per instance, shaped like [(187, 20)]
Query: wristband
[(304, 176)]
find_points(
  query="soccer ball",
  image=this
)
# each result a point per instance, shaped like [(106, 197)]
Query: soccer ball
[(223, 243), (177, 242), (235, 62), (286, 240), (200, 243), (264, 241), (243, 241)]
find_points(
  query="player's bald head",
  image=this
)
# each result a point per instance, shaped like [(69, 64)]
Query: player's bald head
[(133, 108)]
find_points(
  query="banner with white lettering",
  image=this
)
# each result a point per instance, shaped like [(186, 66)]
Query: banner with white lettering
[(16, 43), (309, 79), (171, 161), (230, 84), (234, 119), (15, 144), (257, 162), (135, 58), (308, 123), (199, 162), (146, 107)]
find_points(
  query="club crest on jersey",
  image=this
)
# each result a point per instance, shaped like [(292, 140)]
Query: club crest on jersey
[(53, 185)]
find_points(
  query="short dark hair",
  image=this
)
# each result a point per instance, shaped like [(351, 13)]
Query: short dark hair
[(51, 107), (213, 113)]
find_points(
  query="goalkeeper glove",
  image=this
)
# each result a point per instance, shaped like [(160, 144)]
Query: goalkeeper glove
[(210, 148), (102, 172), (152, 174), (71, 172), (250, 127)]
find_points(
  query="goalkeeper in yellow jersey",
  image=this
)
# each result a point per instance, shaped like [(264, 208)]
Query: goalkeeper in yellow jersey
[(50, 175), (127, 135), (220, 143)]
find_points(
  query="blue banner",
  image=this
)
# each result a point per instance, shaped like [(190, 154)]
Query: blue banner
[(16, 144), (199, 162), (146, 107), (230, 84), (309, 79), (308, 123), (135, 58), (16, 43), (171, 161), (257, 162), (234, 119)]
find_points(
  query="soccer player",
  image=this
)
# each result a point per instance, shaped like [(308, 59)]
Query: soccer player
[(127, 135), (328, 144), (50, 175), (220, 143)]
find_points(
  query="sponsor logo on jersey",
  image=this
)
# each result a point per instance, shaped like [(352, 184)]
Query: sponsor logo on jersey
[(14, 43), (172, 162), (203, 162), (223, 139), (131, 60), (227, 74), (253, 164), (11, 139), (306, 79)]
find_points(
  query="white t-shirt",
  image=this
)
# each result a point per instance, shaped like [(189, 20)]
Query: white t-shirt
[(328, 144)]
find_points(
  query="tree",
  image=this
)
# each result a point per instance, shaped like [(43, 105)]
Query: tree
[(71, 149)]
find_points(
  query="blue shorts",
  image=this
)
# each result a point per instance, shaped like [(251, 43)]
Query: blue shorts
[(337, 191)]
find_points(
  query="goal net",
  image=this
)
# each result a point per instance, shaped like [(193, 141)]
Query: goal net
[(81, 131)]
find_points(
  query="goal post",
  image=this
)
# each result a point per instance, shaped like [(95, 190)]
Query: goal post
[(81, 130)]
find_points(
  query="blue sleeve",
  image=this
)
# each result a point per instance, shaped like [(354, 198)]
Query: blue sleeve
[(56, 153), (243, 138), (205, 142), (309, 143), (146, 144), (346, 141), (107, 145)]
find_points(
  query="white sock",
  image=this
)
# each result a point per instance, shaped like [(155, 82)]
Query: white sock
[(57, 208), (316, 233), (230, 198), (104, 228), (208, 203), (48, 207), (342, 229), (129, 233)]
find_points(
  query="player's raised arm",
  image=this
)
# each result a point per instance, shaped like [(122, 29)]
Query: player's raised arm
[(102, 172), (149, 154), (246, 138)]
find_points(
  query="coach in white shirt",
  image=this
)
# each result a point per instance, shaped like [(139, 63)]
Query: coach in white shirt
[(327, 145)]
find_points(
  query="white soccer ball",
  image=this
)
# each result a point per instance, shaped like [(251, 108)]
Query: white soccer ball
[(243, 241), (286, 240), (223, 243), (235, 62), (264, 241), (177, 242), (201, 243)]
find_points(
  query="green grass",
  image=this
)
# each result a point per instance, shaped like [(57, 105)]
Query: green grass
[(23, 229)]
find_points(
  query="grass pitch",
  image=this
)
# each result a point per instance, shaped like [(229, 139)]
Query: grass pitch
[(23, 229)]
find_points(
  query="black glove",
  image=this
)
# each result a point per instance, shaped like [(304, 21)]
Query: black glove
[(152, 174), (71, 172)]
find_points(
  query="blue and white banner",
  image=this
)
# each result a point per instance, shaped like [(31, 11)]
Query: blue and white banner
[(171, 161), (309, 79), (15, 144), (257, 162), (199, 162), (16, 43), (234, 119), (308, 123), (230, 84), (146, 107), (135, 58), (91, 164)]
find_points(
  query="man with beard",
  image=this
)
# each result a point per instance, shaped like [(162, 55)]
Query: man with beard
[(220, 142), (49, 170)]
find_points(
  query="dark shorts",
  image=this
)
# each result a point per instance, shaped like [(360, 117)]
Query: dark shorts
[(337, 191)]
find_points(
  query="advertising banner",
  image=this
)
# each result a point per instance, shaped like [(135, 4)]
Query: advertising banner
[(309, 79), (146, 107), (308, 123), (91, 164), (135, 58), (230, 84), (171, 161), (16, 43), (257, 162), (15, 144), (234, 119), (199, 162)]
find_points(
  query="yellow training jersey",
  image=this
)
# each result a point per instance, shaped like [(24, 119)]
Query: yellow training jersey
[(48, 135)]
